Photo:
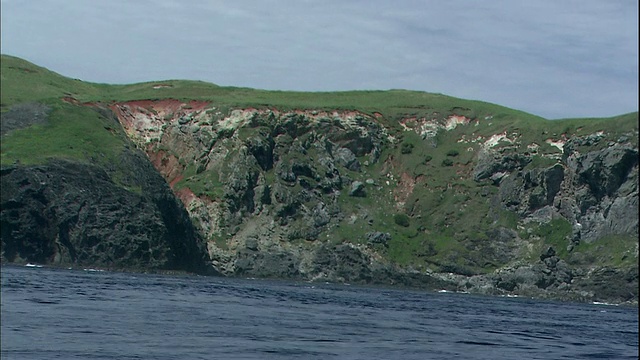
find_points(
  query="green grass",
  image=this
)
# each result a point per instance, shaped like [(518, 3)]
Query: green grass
[(556, 233), (206, 183), (21, 81), (612, 250), (72, 132)]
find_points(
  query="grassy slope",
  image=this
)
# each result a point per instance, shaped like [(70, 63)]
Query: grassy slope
[(71, 132), (437, 208), (23, 81)]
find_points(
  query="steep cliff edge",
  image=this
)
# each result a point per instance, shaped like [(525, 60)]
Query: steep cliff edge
[(393, 187), (73, 214)]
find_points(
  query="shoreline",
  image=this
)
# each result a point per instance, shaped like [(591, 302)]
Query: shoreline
[(395, 287)]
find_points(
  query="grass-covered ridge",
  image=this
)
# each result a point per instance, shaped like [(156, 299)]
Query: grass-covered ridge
[(24, 82)]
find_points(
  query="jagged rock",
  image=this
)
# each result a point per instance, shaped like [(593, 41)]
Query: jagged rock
[(286, 202), (70, 213), (605, 191), (497, 177), (261, 147), (549, 252), (500, 248), (330, 179), (251, 244), (588, 140), (623, 216), (262, 195), (553, 178), (285, 173), (490, 162), (378, 237), (342, 263), (347, 159), (280, 265), (610, 284), (528, 191), (320, 215), (511, 189), (606, 170), (563, 272), (302, 169), (358, 143), (239, 189)]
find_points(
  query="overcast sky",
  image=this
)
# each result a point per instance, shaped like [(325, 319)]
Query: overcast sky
[(551, 58)]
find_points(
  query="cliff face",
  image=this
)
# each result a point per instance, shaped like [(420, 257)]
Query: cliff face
[(393, 187), (338, 196)]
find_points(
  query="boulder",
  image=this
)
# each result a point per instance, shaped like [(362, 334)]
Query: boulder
[(378, 237), (357, 189), (346, 158)]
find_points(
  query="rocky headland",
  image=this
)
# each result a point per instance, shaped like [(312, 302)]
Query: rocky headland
[(471, 199)]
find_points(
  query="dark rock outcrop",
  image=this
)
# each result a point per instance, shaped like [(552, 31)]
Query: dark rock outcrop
[(279, 265), (378, 237), (71, 213), (490, 163), (610, 284)]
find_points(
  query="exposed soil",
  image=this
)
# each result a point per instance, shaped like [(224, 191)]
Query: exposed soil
[(404, 189), (167, 165)]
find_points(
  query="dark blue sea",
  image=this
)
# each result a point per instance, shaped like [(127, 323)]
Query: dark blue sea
[(84, 314)]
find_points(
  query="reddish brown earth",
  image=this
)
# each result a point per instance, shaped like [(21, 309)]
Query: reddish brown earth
[(125, 110), (406, 183), (167, 165), (71, 100), (185, 195)]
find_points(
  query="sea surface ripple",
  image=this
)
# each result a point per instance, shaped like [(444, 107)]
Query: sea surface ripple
[(82, 314)]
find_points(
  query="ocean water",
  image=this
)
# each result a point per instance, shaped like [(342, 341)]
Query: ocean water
[(84, 314)]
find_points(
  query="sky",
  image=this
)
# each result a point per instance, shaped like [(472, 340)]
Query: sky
[(555, 59)]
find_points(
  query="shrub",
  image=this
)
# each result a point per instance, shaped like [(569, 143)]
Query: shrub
[(428, 158), (453, 152), (447, 162), (401, 219), (406, 148)]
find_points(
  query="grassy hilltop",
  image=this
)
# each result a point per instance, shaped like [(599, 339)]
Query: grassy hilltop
[(24, 82)]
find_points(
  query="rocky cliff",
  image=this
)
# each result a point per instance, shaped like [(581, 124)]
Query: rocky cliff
[(406, 188), (119, 214), (339, 196)]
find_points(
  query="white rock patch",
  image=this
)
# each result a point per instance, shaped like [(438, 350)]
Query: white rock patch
[(557, 143)]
